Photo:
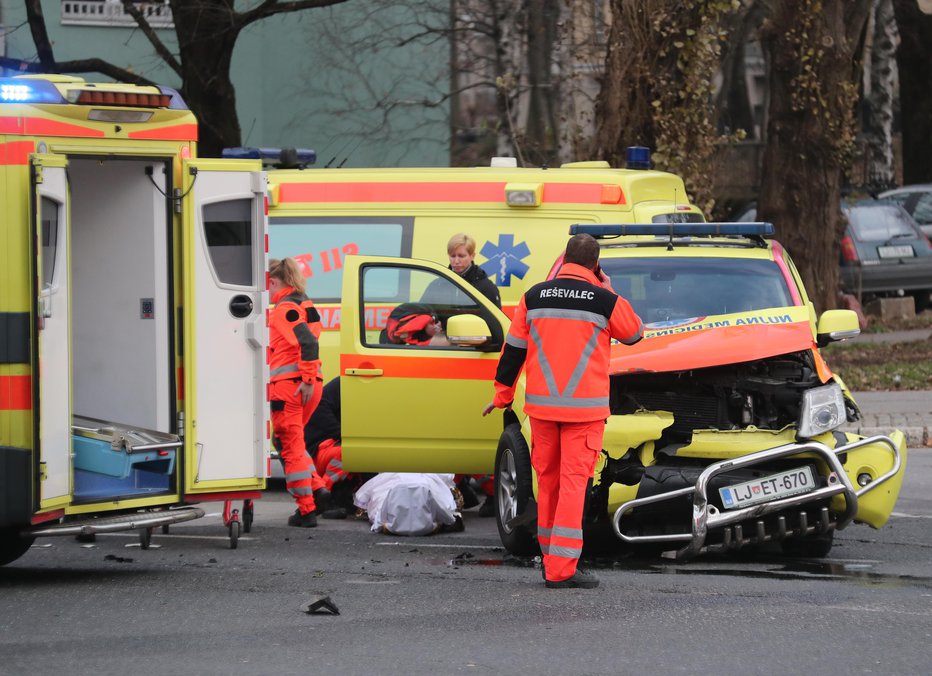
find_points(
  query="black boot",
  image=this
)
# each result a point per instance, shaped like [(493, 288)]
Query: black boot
[(300, 520)]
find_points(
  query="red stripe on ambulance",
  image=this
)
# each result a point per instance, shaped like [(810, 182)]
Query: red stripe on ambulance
[(39, 126), (474, 191), (15, 393), (16, 152), (178, 132), (423, 366)]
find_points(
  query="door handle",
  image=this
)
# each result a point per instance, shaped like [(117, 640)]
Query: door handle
[(362, 372), (241, 306)]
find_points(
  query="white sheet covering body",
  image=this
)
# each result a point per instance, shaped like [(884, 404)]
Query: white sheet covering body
[(406, 503)]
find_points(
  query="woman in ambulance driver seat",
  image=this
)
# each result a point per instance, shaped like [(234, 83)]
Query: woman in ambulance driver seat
[(461, 250), (296, 383)]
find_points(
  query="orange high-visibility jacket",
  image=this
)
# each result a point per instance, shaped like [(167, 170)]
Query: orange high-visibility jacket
[(294, 329), (561, 333)]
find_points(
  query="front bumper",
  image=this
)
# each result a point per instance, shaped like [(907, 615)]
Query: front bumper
[(707, 518)]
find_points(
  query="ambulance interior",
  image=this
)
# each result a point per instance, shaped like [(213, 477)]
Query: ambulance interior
[(122, 356)]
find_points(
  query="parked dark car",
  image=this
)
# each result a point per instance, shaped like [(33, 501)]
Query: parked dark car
[(883, 253), (917, 200)]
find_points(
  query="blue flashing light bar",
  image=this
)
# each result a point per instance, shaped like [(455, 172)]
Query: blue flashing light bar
[(673, 229), (282, 157), (637, 157), (28, 90)]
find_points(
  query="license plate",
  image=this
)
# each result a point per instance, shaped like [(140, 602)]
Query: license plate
[(765, 489), (902, 251)]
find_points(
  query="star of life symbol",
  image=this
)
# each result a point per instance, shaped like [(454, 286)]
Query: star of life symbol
[(504, 259)]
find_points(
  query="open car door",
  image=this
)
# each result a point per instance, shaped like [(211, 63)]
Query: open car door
[(414, 408), (224, 323), (52, 372)]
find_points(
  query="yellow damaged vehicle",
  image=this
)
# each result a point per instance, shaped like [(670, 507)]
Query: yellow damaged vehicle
[(726, 421)]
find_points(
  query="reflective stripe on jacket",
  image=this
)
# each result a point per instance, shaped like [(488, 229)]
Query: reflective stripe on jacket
[(561, 333), (294, 329)]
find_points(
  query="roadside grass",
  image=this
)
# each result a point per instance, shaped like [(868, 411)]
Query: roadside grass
[(867, 367), (920, 321)]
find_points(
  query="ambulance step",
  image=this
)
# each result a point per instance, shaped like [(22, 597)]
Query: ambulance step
[(118, 522)]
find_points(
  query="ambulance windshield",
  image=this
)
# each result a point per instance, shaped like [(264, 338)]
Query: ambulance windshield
[(663, 289)]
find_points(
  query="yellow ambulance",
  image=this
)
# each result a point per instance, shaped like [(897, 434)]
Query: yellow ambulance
[(519, 218), (132, 315)]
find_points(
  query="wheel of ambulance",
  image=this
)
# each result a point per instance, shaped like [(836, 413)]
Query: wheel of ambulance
[(234, 534), (145, 538), (812, 547), (12, 546), (513, 492), (248, 515)]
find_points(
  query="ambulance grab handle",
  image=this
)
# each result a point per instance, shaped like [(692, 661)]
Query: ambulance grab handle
[(362, 372)]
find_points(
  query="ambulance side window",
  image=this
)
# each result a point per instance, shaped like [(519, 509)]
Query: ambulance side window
[(228, 232), (50, 213), (385, 287)]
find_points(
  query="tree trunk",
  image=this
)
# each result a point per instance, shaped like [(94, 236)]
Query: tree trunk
[(543, 95), (878, 96), (205, 58), (814, 48), (624, 115), (914, 58)]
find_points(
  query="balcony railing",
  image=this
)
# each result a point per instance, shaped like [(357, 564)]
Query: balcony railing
[(111, 13)]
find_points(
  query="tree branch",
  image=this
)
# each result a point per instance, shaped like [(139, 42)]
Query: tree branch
[(273, 7), (103, 67), (40, 34), (154, 40)]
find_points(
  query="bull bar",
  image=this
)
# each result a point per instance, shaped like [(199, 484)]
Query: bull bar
[(706, 517)]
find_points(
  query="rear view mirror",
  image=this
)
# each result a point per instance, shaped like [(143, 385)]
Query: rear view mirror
[(468, 330), (837, 325)]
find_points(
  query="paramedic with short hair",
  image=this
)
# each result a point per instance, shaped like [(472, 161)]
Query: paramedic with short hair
[(561, 333), (461, 250), (296, 384)]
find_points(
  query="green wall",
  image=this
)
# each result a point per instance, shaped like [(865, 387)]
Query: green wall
[(309, 79)]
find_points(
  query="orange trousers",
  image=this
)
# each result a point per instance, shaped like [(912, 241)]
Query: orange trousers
[(564, 456), (330, 462), (288, 422)]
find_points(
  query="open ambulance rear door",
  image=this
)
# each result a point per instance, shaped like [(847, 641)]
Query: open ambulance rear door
[(414, 408), (52, 370), (224, 324)]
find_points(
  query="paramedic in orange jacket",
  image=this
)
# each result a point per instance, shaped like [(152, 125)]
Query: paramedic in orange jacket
[(561, 334), (296, 384)]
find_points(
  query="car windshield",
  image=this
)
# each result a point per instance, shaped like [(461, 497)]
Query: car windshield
[(670, 289), (880, 223)]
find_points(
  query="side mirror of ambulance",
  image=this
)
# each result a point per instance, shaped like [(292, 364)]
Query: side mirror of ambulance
[(468, 330), (837, 325)]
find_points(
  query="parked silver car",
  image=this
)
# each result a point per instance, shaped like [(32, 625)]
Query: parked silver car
[(917, 200), (883, 253)]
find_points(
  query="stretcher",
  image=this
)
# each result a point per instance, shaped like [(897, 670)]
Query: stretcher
[(114, 461)]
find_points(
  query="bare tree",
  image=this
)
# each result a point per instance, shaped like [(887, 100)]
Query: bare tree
[(659, 85), (207, 31), (814, 48), (879, 88)]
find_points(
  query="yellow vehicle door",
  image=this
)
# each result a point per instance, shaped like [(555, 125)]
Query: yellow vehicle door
[(52, 370), (224, 324), (414, 407)]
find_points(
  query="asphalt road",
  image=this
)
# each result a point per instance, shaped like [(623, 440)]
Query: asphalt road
[(454, 603)]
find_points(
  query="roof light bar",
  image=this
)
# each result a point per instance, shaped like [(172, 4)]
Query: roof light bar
[(673, 229), (28, 90), (285, 158), (103, 97)]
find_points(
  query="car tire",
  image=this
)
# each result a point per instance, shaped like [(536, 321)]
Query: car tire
[(811, 547), (514, 492), (12, 546)]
